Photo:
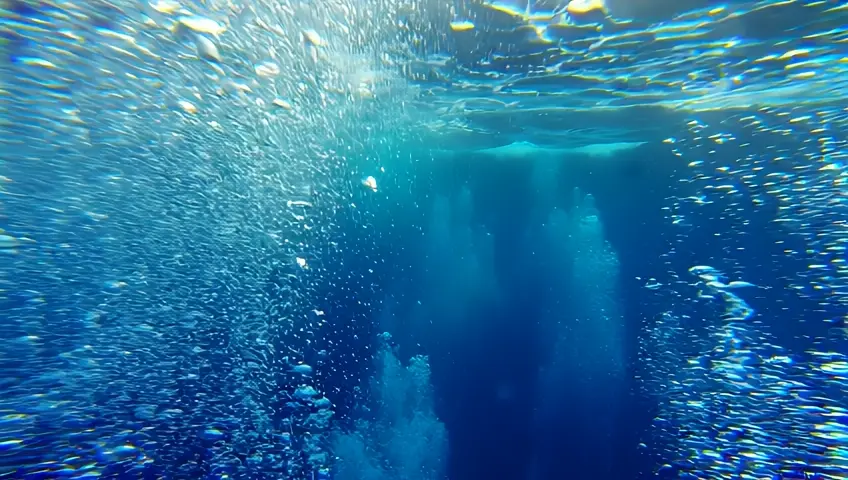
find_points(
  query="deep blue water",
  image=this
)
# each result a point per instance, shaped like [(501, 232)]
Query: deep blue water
[(486, 378), (495, 437), (485, 374)]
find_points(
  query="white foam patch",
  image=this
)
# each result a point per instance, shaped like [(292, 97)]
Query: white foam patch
[(528, 151), (605, 150)]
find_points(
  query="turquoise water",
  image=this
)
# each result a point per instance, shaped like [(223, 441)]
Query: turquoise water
[(392, 240)]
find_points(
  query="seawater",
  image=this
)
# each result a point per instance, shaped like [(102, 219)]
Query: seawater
[(392, 240)]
